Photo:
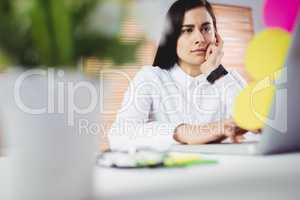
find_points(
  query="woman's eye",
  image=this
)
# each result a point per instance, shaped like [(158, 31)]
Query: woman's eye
[(189, 30), (206, 29)]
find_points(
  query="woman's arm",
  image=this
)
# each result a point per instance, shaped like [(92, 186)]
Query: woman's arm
[(209, 133), (197, 134)]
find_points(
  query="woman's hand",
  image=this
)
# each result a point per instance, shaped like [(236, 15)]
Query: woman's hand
[(233, 132), (214, 55), (210, 133)]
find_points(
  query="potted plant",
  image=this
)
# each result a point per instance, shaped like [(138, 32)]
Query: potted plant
[(49, 110)]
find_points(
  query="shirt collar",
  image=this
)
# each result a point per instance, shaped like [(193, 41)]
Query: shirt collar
[(183, 78)]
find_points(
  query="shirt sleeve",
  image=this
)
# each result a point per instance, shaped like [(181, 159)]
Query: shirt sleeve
[(132, 127), (236, 84)]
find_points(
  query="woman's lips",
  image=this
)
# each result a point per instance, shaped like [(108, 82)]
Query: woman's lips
[(199, 51)]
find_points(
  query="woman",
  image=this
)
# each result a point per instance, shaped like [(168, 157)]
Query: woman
[(186, 96)]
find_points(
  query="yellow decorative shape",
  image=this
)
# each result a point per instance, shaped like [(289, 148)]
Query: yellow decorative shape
[(266, 53), (252, 105)]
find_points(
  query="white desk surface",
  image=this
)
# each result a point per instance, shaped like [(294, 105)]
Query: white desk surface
[(234, 177)]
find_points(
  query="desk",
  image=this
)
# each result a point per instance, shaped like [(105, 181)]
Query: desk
[(235, 177)]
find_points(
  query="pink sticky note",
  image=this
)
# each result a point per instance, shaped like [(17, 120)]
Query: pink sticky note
[(281, 13)]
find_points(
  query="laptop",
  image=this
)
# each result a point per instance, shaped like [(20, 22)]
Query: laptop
[(282, 131)]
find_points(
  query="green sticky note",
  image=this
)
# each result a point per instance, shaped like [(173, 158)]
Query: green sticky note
[(185, 159)]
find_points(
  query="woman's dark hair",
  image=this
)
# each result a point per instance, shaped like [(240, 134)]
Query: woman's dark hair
[(166, 55)]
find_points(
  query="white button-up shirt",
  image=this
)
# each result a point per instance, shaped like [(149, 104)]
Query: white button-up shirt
[(158, 100)]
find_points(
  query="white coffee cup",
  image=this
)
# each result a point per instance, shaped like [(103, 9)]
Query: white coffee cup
[(49, 155)]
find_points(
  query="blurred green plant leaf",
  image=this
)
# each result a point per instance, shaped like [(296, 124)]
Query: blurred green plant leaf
[(53, 33)]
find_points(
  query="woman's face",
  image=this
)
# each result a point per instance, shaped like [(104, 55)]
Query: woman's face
[(197, 32)]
